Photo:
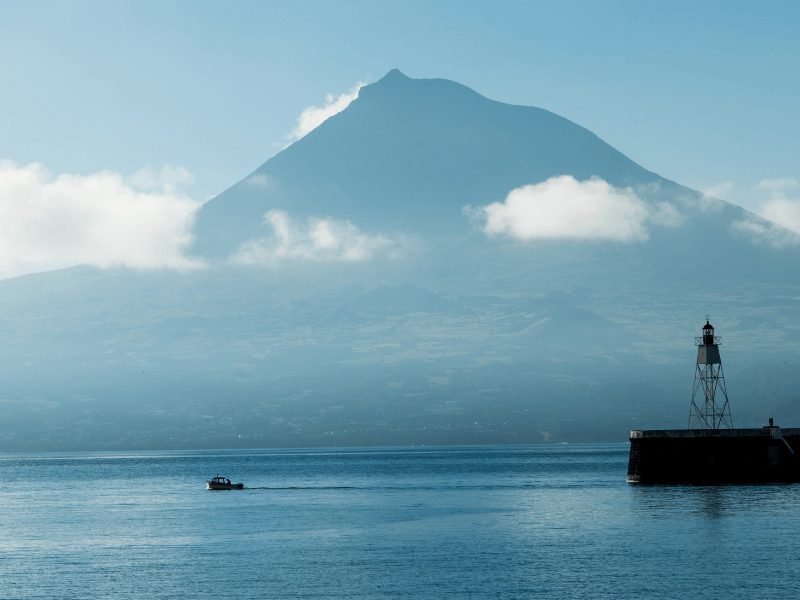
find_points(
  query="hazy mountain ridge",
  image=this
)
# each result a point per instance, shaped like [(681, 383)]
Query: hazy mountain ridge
[(469, 338)]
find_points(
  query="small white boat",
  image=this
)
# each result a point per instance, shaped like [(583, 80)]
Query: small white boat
[(223, 483)]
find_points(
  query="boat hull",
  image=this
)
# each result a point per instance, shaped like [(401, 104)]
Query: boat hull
[(224, 486)]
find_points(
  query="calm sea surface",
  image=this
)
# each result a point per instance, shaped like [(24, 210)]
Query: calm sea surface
[(467, 522)]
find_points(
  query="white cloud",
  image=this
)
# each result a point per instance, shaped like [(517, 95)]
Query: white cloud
[(781, 207), (720, 190), (715, 196), (314, 116), (99, 219), (319, 240), (779, 186), (765, 232), (167, 179), (564, 208), (258, 181), (664, 214), (783, 211)]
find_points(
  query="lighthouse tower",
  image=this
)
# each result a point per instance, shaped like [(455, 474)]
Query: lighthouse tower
[(709, 409)]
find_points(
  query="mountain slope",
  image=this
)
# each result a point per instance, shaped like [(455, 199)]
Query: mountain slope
[(465, 338), (409, 154)]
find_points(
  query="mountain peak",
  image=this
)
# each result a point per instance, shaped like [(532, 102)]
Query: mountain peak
[(395, 75), (394, 83), (397, 83)]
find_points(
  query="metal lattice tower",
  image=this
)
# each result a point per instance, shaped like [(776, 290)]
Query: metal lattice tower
[(709, 408)]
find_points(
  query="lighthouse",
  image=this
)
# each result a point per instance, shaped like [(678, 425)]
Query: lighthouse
[(709, 408), (711, 451)]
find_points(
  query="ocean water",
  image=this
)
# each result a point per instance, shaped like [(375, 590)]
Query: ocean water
[(461, 522)]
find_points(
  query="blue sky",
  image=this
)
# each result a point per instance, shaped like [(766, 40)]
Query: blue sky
[(702, 93)]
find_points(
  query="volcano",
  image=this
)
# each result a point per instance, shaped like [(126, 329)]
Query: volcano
[(409, 154), (378, 305)]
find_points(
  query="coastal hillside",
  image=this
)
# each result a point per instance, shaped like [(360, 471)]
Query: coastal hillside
[(428, 266)]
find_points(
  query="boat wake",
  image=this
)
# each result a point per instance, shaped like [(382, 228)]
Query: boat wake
[(297, 487), (386, 488)]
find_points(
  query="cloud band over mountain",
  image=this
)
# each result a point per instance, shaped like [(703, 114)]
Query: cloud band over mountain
[(319, 240), (565, 208), (100, 219), (314, 116)]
